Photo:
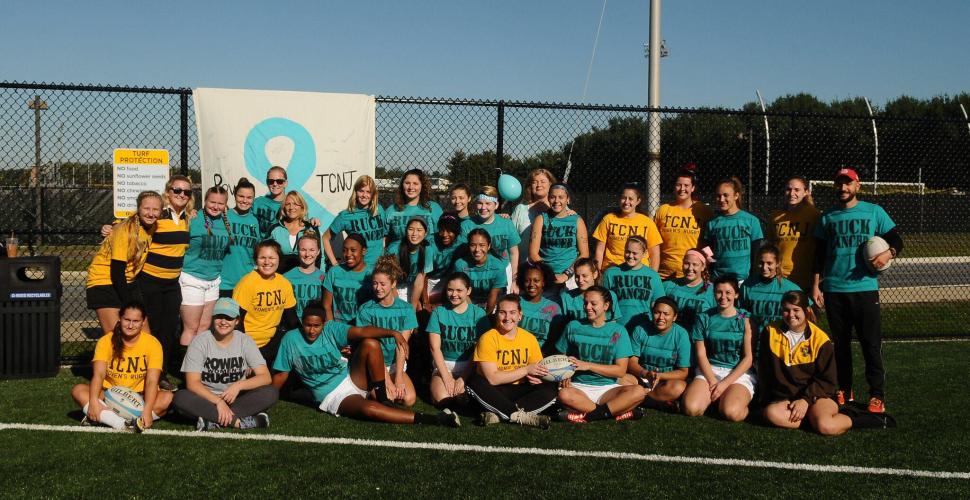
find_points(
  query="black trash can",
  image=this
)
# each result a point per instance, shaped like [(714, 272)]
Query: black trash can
[(30, 317)]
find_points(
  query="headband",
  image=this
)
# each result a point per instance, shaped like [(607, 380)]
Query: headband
[(704, 253), (485, 197)]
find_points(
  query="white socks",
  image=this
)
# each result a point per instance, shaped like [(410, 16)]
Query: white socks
[(109, 417)]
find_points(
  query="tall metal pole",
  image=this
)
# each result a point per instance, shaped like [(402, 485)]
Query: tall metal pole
[(767, 142), (875, 138), (653, 90), (37, 105)]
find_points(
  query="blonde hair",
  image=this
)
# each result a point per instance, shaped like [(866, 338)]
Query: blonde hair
[(190, 206), (362, 182), (389, 266), (489, 191), (130, 228), (299, 201), (532, 175)]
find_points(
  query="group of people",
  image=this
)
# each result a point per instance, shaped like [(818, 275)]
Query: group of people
[(690, 310)]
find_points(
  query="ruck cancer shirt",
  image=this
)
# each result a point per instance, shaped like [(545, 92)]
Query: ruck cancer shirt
[(844, 231), (219, 366)]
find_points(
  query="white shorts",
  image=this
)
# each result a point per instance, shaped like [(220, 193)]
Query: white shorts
[(457, 368), (196, 292), (508, 278), (404, 293), (748, 380), (594, 392), (345, 389)]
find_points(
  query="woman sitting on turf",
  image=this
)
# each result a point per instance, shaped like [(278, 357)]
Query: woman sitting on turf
[(218, 391), (336, 386), (507, 382), (129, 357), (661, 356), (722, 343), (600, 350), (453, 330), (797, 372)]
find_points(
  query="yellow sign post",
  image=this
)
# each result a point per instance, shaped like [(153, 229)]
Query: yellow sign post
[(137, 170)]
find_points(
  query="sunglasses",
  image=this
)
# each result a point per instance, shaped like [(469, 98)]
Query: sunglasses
[(270, 182), (181, 191)]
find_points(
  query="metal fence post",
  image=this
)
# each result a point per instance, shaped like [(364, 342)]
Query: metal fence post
[(184, 138), (500, 138)]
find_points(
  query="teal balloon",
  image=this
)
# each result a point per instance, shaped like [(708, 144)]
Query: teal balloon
[(509, 188)]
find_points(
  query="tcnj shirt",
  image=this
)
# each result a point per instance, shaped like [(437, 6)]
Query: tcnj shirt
[(221, 366)]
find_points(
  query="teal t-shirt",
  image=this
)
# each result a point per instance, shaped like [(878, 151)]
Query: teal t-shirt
[(484, 278), (372, 227), (281, 235), (238, 262), (661, 352), (845, 230), (319, 365), (394, 247), (731, 238), (691, 300), (574, 305), (558, 246), (308, 288), (603, 345), (541, 319), (459, 332), (723, 337), (396, 221), (763, 300), (444, 259), (267, 211), (636, 290), (503, 233), (399, 317), (203, 257), (349, 288)]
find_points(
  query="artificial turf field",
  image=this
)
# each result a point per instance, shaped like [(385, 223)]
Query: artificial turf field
[(927, 394)]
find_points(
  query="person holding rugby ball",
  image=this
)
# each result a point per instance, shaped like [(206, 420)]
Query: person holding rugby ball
[(348, 285), (636, 285), (617, 226), (244, 228), (413, 199), (600, 350), (364, 215), (661, 356), (847, 289), (209, 240), (508, 378), (355, 389), (130, 357), (227, 383), (453, 330), (793, 232), (119, 259), (558, 236), (722, 348), (680, 223), (734, 235), (797, 373), (486, 272)]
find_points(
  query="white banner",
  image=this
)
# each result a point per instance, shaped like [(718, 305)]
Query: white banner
[(324, 141)]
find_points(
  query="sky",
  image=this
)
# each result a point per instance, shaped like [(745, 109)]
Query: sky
[(534, 50)]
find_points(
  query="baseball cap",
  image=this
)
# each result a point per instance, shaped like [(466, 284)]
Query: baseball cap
[(226, 307), (847, 172)]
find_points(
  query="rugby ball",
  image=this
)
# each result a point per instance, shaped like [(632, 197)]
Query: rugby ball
[(559, 368), (875, 246), (127, 403)]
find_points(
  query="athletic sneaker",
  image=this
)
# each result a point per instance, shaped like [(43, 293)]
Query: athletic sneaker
[(876, 405), (203, 425), (448, 418), (840, 397), (85, 421), (634, 414), (165, 385), (487, 418), (134, 426), (573, 417), (530, 419)]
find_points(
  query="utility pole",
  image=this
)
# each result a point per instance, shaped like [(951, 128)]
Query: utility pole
[(654, 49), (37, 105)]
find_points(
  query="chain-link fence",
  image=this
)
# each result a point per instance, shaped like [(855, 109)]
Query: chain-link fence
[(56, 145)]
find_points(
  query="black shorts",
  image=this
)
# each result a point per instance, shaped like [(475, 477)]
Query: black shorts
[(102, 296)]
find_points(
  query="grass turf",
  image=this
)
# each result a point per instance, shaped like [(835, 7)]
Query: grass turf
[(923, 380)]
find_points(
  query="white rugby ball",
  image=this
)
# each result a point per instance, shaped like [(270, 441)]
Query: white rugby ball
[(127, 403), (873, 247), (559, 368)]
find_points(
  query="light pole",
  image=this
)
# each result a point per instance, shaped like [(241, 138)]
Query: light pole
[(37, 105), (749, 137), (655, 50)]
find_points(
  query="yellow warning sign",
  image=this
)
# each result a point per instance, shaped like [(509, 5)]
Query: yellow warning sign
[(137, 170)]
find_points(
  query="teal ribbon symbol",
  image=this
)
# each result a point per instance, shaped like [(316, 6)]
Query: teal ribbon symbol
[(302, 163)]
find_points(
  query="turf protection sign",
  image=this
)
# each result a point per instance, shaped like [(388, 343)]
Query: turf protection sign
[(324, 141), (137, 170)]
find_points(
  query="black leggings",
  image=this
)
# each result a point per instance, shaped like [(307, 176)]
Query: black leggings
[(859, 310), (247, 403), (506, 399), (163, 300)]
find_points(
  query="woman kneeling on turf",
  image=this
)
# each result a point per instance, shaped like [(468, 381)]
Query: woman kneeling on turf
[(218, 392), (797, 371), (131, 358), (600, 350), (336, 386), (508, 381), (661, 356)]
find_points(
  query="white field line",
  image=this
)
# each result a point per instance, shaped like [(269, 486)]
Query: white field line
[(925, 341), (551, 452)]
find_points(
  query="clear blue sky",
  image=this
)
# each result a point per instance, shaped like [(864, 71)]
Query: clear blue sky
[(529, 50)]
